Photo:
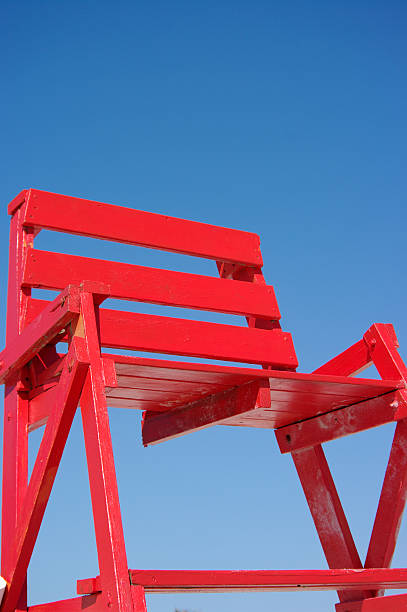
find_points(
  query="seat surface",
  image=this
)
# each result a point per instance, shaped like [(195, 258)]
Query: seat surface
[(161, 385)]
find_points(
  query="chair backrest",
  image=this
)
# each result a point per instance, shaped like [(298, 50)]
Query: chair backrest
[(240, 290)]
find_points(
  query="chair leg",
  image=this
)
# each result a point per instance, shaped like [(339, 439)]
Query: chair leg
[(105, 500), (115, 581), (391, 504), (15, 431), (327, 512), (15, 472)]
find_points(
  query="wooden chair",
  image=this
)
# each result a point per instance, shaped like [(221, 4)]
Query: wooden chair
[(44, 387)]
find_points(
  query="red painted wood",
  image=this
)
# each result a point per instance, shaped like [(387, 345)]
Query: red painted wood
[(327, 512), (163, 369), (102, 476), (127, 281), (304, 404), (127, 365), (194, 380), (40, 407), (94, 603), (45, 469), (322, 497), (391, 504), (168, 335), (383, 346), (379, 346), (121, 224), (45, 371), (210, 392), (279, 414), (254, 277), (168, 581), (338, 423), (199, 415), (39, 332), (139, 599), (178, 387), (17, 202), (352, 361), (294, 396), (382, 342), (391, 603), (15, 435)]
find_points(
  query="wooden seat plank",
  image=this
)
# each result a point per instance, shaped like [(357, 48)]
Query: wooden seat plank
[(162, 369)]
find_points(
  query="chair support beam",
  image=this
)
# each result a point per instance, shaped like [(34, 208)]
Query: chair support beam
[(212, 581)]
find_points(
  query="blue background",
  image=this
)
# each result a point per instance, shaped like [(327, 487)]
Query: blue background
[(282, 118)]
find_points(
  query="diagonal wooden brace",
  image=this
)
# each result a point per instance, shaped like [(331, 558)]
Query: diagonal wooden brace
[(326, 509), (391, 504), (211, 410), (45, 467), (378, 347), (42, 330), (319, 487)]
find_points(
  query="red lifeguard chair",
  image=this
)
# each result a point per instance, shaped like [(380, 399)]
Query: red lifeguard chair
[(44, 387)]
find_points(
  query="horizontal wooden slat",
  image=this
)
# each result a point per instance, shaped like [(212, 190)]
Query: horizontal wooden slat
[(120, 224), (150, 333), (166, 581), (174, 336), (47, 270)]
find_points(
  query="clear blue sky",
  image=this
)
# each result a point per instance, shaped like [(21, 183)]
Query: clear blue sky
[(283, 118)]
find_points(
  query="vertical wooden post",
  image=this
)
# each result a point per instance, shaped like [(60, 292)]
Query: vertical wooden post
[(383, 344), (116, 588), (15, 432)]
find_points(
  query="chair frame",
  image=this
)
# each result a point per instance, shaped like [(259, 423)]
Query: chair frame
[(85, 376)]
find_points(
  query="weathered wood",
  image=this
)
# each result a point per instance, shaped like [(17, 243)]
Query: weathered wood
[(200, 414), (338, 423), (328, 515)]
